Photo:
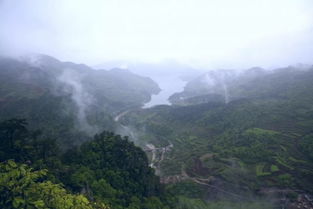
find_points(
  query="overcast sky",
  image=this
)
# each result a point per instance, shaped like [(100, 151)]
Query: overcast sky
[(207, 33)]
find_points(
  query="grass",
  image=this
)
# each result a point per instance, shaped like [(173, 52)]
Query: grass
[(259, 169), (185, 203), (296, 161), (283, 163), (274, 168)]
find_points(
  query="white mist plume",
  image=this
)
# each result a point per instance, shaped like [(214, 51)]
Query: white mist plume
[(226, 95), (80, 97), (209, 81), (217, 81)]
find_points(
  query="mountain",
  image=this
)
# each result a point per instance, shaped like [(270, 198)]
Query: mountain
[(217, 85), (231, 139), (171, 76), (68, 99), (54, 152), (105, 172), (166, 68), (256, 146)]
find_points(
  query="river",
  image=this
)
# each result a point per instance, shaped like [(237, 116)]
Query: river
[(169, 85)]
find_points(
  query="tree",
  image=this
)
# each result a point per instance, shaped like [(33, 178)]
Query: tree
[(21, 187)]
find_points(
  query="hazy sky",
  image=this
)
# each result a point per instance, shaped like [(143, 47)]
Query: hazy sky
[(211, 33)]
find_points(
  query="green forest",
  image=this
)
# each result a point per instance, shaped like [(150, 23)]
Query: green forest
[(106, 172), (73, 137), (257, 146)]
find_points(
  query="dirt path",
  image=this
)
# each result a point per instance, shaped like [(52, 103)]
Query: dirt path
[(118, 117), (157, 155)]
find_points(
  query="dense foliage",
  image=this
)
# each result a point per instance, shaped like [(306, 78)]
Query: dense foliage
[(20, 187), (68, 102), (108, 170), (260, 143), (232, 140)]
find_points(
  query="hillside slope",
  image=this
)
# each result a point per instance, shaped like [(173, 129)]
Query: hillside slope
[(260, 144), (68, 99)]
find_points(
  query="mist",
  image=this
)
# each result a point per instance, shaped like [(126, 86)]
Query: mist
[(80, 97), (157, 103), (198, 33)]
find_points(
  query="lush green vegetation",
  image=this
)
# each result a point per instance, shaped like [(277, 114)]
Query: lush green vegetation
[(187, 203), (68, 102), (247, 152), (261, 139), (20, 187), (108, 171)]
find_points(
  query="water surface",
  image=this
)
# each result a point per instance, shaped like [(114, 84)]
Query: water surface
[(169, 85)]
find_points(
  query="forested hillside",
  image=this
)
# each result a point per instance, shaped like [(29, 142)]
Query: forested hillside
[(239, 140), (106, 172), (229, 85), (68, 101), (171, 104), (258, 144), (57, 148)]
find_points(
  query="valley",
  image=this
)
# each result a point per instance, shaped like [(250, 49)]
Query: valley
[(228, 137), (236, 149), (180, 104)]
